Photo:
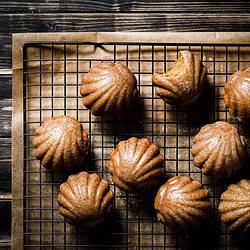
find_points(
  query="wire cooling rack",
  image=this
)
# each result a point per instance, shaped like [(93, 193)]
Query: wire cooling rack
[(52, 73)]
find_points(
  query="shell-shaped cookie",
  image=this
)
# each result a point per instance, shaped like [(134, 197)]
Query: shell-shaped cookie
[(234, 207), (182, 204), (184, 83), (219, 150), (61, 143), (136, 165), (237, 95), (85, 199), (109, 89)]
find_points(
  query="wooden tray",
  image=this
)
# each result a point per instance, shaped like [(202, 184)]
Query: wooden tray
[(47, 72)]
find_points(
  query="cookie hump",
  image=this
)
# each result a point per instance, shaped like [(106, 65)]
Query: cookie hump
[(237, 95), (136, 165), (219, 150), (234, 207), (184, 83), (109, 89), (61, 143), (85, 199), (182, 204)]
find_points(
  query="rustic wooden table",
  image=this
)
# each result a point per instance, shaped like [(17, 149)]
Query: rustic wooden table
[(60, 15)]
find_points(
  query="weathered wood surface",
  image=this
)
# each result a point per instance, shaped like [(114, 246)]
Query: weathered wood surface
[(15, 23), (55, 6), (55, 16)]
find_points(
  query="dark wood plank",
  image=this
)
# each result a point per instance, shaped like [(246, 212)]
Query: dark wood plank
[(5, 161), (121, 22), (5, 50), (113, 22), (5, 179), (5, 224), (5, 86), (5, 149), (5, 134), (39, 6), (5, 105)]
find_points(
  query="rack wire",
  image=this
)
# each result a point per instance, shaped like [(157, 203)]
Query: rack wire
[(52, 78)]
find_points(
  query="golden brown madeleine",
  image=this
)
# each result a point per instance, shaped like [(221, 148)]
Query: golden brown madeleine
[(234, 207), (109, 89), (219, 150), (61, 143), (184, 83), (85, 199), (237, 95), (136, 165), (182, 204)]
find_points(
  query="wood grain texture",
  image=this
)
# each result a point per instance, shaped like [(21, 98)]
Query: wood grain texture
[(5, 149), (5, 136), (5, 119), (5, 51), (18, 23), (5, 85), (56, 6), (5, 106)]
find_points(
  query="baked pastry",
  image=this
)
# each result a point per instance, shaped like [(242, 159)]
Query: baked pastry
[(61, 143), (234, 207), (85, 199), (237, 95), (184, 83), (219, 150), (182, 204), (109, 89), (136, 165)]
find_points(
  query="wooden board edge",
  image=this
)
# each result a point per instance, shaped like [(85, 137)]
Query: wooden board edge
[(17, 145), (157, 37)]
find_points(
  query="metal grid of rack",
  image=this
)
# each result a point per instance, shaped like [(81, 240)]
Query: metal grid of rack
[(52, 78)]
